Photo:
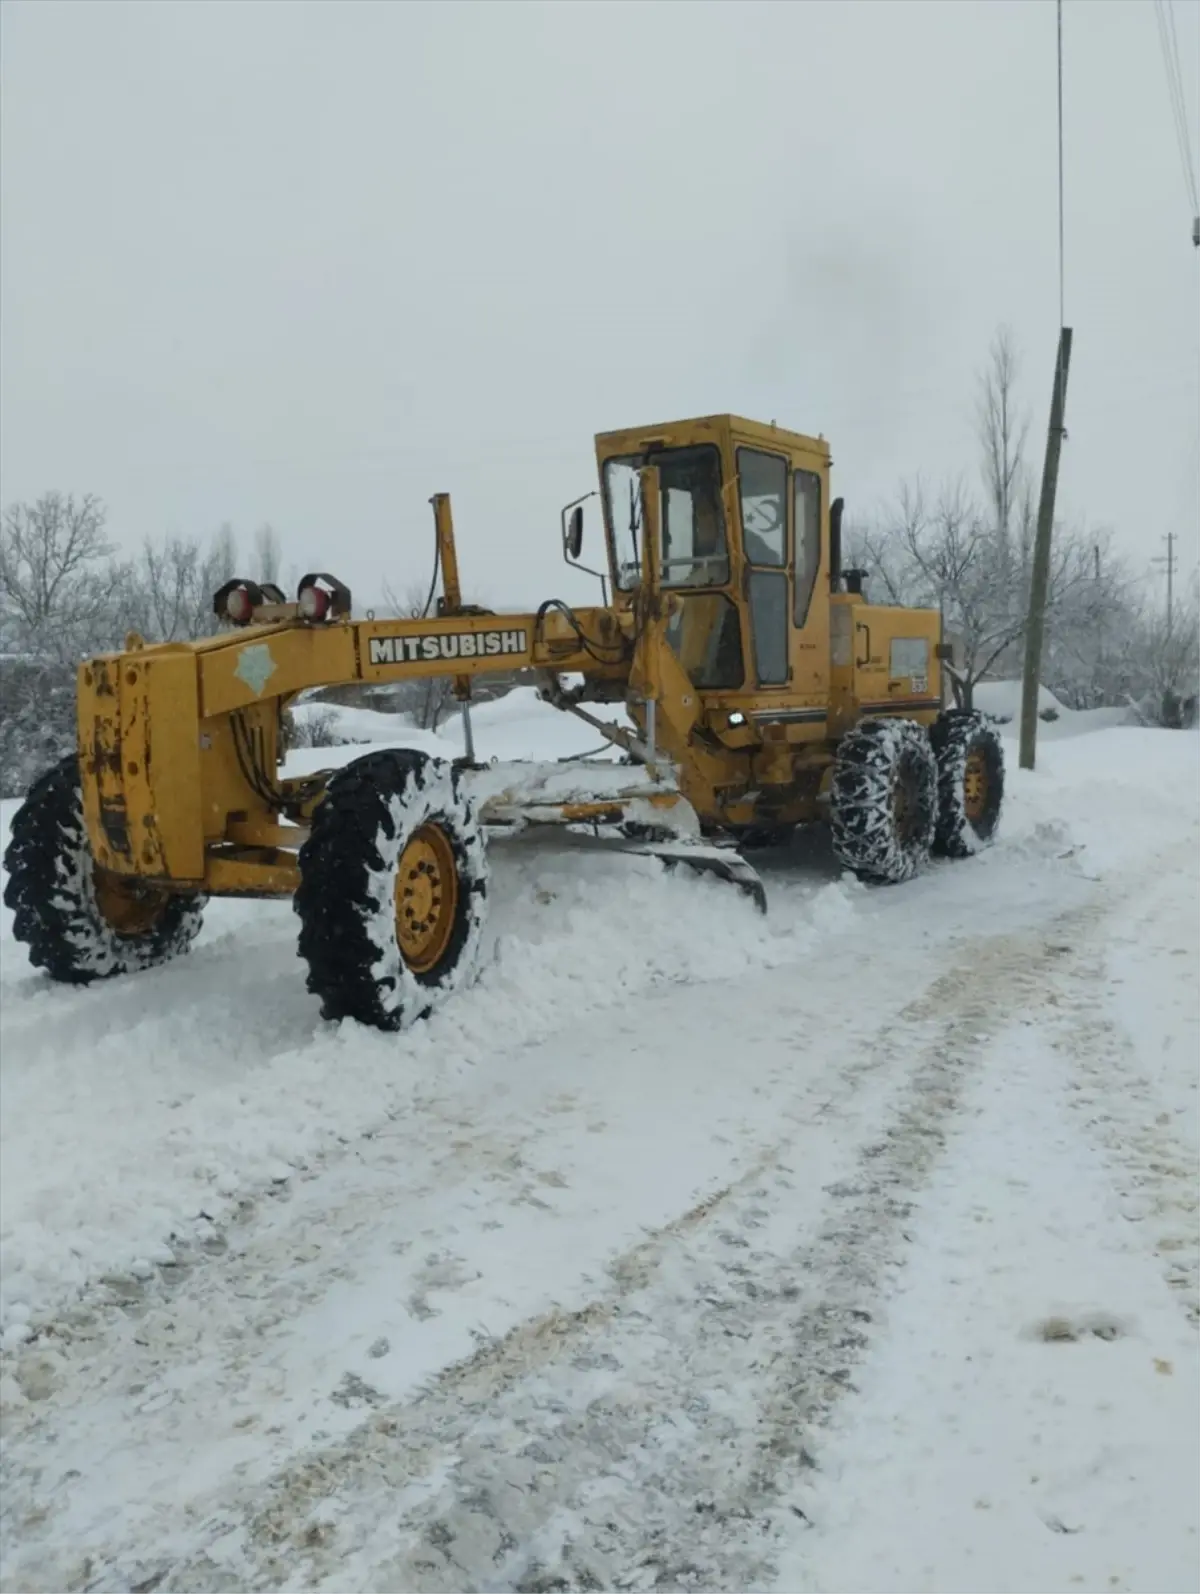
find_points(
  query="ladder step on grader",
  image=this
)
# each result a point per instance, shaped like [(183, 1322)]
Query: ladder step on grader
[(760, 691)]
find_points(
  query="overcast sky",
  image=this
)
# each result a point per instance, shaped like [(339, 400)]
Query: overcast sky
[(310, 263)]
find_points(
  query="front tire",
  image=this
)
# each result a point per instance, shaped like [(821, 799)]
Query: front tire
[(884, 800), (970, 764), (393, 889), (80, 922)]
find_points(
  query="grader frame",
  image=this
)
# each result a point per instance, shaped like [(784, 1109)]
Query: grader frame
[(762, 691), (180, 741)]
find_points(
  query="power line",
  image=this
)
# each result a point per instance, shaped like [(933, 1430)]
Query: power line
[(1168, 41), (1062, 298), (1179, 101), (1039, 579)]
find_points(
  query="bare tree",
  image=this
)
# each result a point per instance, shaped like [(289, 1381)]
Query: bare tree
[(223, 552), (57, 576), (871, 548), (1089, 655), (58, 583), (168, 593), (268, 554), (1002, 429), (65, 594), (949, 556), (426, 701), (956, 566), (970, 555)]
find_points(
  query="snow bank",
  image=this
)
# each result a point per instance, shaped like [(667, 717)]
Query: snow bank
[(1001, 700), (1107, 796), (365, 727)]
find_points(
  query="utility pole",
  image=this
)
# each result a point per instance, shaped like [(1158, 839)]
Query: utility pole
[(1170, 582), (1169, 561), (1035, 625)]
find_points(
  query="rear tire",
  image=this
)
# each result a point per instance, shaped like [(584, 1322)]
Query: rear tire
[(79, 922), (884, 800), (970, 764), (393, 890)]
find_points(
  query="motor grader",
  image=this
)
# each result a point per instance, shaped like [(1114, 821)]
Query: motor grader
[(760, 691)]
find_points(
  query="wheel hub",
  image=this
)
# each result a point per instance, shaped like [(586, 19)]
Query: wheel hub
[(426, 898), (975, 786), (905, 811), (128, 907)]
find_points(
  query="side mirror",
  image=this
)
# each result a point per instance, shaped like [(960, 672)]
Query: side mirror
[(571, 521), (573, 541)]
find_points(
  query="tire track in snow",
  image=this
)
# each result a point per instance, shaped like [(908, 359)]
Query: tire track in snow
[(191, 1113), (613, 1446), (1153, 1171), (51, 1549), (170, 1357)]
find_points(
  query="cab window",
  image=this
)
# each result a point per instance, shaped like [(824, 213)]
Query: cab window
[(762, 479), (695, 552), (769, 621), (706, 637), (808, 540), (762, 485)]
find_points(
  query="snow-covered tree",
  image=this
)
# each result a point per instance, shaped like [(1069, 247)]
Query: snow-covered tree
[(1166, 660), (65, 593)]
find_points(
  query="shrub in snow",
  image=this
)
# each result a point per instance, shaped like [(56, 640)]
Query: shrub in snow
[(311, 725)]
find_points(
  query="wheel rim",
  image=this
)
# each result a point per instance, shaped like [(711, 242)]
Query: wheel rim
[(906, 810), (426, 898), (128, 907), (975, 786)]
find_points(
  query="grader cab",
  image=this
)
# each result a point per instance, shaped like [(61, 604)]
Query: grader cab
[(780, 650), (760, 691)]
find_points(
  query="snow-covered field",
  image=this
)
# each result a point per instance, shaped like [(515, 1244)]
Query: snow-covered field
[(851, 1248)]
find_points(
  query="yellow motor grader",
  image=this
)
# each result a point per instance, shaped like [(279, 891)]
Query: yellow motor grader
[(760, 691)]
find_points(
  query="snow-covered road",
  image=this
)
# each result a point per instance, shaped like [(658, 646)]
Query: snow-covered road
[(853, 1248)]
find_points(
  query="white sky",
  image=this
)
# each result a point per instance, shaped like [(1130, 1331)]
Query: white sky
[(310, 263)]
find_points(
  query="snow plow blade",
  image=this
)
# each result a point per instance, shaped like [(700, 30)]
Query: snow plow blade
[(726, 863)]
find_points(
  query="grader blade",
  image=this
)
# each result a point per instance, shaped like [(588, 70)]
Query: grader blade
[(726, 863), (613, 807)]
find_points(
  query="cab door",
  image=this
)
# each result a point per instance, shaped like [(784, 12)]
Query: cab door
[(763, 491), (810, 583)]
